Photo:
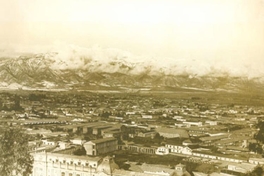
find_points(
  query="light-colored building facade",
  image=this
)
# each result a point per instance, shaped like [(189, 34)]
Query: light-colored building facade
[(54, 164), (162, 151), (172, 132), (179, 149), (100, 146)]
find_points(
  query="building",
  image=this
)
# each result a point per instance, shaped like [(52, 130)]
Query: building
[(49, 142), (190, 124), (172, 132), (100, 146), (256, 161), (78, 141), (64, 145), (152, 170), (98, 129), (162, 151), (180, 170), (150, 134), (241, 168), (179, 149), (139, 148), (51, 164)]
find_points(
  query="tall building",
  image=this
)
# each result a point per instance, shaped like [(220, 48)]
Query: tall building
[(54, 164), (100, 146)]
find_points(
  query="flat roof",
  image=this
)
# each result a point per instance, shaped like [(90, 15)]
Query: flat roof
[(97, 141), (69, 156)]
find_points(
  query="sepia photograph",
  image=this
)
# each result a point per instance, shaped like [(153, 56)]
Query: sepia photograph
[(131, 87)]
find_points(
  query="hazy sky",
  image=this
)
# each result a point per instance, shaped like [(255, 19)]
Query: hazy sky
[(191, 29)]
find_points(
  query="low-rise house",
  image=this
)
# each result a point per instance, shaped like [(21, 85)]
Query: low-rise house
[(172, 132), (209, 122), (147, 117), (179, 149), (241, 167), (39, 131), (78, 141), (256, 161), (100, 146), (98, 129), (115, 134), (210, 139), (207, 154), (139, 148), (64, 145), (152, 170), (162, 150), (49, 142), (150, 134), (55, 134), (190, 124)]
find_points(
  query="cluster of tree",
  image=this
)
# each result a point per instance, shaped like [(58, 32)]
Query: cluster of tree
[(80, 151), (255, 147), (36, 97), (13, 107), (258, 171), (259, 136), (15, 158)]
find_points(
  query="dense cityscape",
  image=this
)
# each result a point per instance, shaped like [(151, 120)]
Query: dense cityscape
[(77, 133), (131, 88)]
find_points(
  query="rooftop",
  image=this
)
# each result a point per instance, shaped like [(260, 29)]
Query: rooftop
[(97, 141)]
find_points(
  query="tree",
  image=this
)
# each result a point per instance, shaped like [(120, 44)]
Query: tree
[(258, 171), (80, 151), (14, 152), (259, 136)]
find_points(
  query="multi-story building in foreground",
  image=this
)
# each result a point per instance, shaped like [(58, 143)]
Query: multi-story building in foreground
[(100, 146), (54, 164)]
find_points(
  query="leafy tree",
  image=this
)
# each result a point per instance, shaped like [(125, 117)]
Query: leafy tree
[(259, 136), (14, 152), (258, 171), (80, 151)]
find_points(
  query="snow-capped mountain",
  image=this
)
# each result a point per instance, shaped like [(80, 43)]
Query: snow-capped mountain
[(113, 69)]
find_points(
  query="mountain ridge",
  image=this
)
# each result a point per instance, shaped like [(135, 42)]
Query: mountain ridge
[(44, 71)]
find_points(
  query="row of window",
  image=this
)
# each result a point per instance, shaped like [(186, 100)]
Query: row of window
[(71, 162), (70, 174)]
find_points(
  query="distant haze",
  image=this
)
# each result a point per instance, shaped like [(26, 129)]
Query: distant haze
[(196, 37)]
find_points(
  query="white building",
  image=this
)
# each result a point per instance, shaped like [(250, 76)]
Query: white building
[(48, 142), (189, 124), (241, 167), (162, 151), (78, 141), (179, 149), (54, 164), (256, 161)]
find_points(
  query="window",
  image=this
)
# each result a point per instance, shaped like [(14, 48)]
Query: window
[(63, 174), (70, 174)]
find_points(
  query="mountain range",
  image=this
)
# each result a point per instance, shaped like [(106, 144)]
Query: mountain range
[(47, 71)]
